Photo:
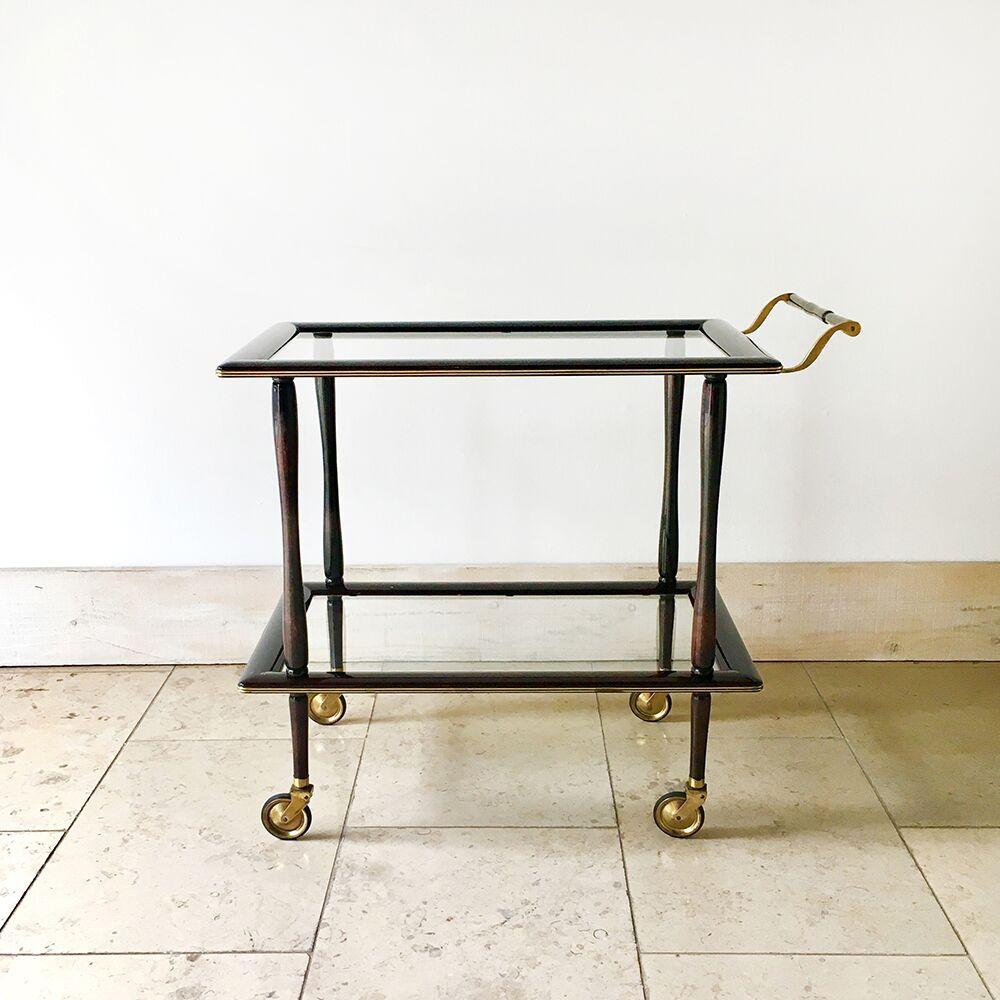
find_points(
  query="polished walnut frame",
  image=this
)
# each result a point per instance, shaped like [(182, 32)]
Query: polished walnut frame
[(739, 352), (720, 661)]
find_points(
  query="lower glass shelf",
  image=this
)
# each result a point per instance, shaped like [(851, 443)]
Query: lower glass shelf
[(398, 640)]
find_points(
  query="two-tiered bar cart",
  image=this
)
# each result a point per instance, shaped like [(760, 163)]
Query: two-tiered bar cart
[(719, 660)]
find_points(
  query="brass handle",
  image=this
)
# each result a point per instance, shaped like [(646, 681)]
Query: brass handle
[(839, 324)]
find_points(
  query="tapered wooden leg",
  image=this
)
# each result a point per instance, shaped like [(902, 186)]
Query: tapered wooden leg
[(701, 708), (328, 708), (713, 433), (673, 403), (287, 816), (286, 447), (298, 711), (682, 813), (335, 629), (654, 706), (333, 542), (665, 614)]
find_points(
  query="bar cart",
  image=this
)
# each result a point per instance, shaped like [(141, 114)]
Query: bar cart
[(674, 349)]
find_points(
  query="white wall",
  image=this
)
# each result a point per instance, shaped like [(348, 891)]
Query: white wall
[(176, 176)]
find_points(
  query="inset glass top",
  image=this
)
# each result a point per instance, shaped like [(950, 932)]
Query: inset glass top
[(570, 347), (374, 346)]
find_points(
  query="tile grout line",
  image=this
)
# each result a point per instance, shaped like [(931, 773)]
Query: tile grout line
[(51, 829), (896, 827), (334, 740), (686, 954), (338, 739), (815, 954), (621, 851), (336, 854), (937, 826), (144, 954), (477, 826), (90, 795)]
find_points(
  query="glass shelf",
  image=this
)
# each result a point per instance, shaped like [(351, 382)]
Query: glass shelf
[(501, 633)]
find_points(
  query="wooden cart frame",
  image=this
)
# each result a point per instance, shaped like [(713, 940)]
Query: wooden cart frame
[(719, 661)]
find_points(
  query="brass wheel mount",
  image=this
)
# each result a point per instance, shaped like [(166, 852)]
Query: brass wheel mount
[(650, 706), (327, 708), (287, 816), (682, 814)]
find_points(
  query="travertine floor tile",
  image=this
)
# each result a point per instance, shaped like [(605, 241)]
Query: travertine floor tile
[(796, 854), (484, 760), (204, 703), (963, 868), (21, 855), (170, 855), (59, 731), (788, 706), (925, 733), (153, 977), (476, 914), (818, 977)]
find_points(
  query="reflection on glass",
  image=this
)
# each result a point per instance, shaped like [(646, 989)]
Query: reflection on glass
[(542, 346), (406, 633)]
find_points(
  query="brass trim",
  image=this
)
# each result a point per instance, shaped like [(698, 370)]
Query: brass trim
[(300, 794), (765, 312), (695, 794), (849, 326), (681, 814), (326, 707), (650, 706)]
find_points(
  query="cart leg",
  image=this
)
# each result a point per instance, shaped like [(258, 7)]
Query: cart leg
[(328, 707), (673, 403), (286, 448), (713, 432), (333, 542), (682, 814), (335, 628), (654, 706), (287, 817)]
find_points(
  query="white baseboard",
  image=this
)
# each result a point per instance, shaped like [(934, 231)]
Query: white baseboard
[(786, 611)]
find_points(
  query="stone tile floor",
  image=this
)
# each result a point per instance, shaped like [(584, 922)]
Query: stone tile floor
[(501, 846)]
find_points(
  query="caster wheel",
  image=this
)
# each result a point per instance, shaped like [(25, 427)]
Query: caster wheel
[(270, 816), (650, 706), (665, 815), (326, 708)]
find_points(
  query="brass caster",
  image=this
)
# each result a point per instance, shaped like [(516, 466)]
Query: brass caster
[(650, 706), (327, 708), (681, 814), (287, 816)]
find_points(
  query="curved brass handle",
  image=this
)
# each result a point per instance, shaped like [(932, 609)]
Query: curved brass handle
[(839, 325)]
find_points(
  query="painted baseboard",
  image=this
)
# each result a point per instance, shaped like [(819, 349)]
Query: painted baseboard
[(786, 611)]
